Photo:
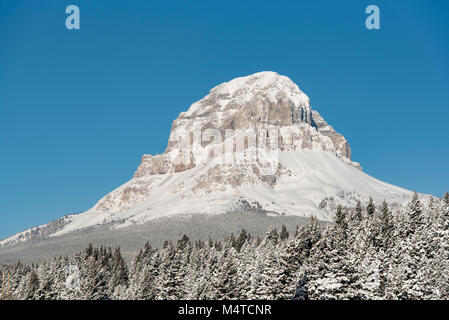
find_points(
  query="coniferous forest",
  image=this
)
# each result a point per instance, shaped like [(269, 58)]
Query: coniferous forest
[(368, 253)]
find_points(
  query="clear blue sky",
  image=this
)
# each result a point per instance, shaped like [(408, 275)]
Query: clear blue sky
[(79, 108)]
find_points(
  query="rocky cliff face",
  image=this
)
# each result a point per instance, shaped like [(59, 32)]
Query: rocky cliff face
[(239, 109)]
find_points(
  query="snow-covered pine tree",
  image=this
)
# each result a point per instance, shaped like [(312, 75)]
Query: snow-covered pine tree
[(302, 290), (358, 214), (386, 227), (93, 271), (205, 288), (246, 268), (119, 270), (340, 218), (241, 239), (331, 270), (370, 207), (170, 282), (415, 214), (414, 263), (267, 285), (293, 254), (32, 286), (225, 279), (283, 235)]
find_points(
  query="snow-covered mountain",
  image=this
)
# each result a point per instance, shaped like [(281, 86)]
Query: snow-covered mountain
[(252, 142)]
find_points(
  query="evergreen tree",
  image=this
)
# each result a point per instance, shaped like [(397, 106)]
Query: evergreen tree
[(358, 211), (446, 198), (272, 236), (284, 233), (370, 208), (171, 281), (225, 279), (294, 254), (387, 226), (341, 220), (415, 213), (32, 286), (331, 270), (302, 289), (119, 270), (240, 241)]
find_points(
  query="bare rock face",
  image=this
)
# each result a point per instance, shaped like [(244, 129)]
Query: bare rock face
[(341, 145), (263, 100), (261, 110), (158, 164)]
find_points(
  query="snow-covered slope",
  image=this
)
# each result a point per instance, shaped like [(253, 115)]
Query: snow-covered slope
[(314, 183), (251, 142)]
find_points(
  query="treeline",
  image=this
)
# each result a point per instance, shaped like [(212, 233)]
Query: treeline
[(368, 253)]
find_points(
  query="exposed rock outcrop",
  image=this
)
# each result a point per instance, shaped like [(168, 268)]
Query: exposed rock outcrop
[(239, 109)]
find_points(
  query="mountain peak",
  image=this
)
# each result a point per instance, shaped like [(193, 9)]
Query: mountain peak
[(266, 84), (261, 101)]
